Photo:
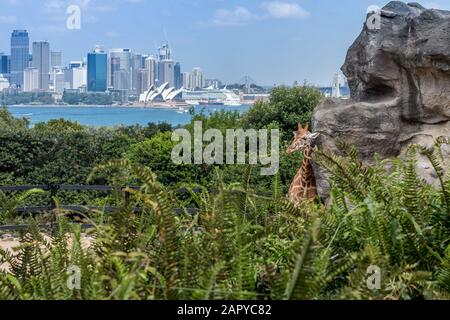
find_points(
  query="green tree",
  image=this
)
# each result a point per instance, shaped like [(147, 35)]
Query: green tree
[(285, 109)]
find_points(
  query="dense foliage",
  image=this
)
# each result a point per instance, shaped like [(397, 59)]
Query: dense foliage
[(26, 98), (73, 98), (240, 245), (233, 235)]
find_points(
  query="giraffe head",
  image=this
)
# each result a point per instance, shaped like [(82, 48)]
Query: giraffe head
[(302, 139)]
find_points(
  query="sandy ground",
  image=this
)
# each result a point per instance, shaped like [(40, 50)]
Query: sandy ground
[(7, 243)]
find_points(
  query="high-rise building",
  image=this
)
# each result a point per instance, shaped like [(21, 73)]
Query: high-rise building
[(79, 77), (124, 56), (76, 75), (58, 80), (56, 59), (186, 80), (97, 71), (20, 56), (121, 80), (114, 67), (4, 64), (31, 80), (136, 65), (177, 76), (197, 81), (41, 61), (142, 80), (150, 66), (166, 72), (164, 52)]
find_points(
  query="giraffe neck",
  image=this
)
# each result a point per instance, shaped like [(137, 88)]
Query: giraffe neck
[(303, 186)]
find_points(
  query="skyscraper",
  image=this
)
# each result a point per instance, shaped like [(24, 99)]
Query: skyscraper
[(5, 63), (97, 70), (166, 72), (125, 62), (177, 75), (136, 65), (165, 66), (186, 80), (56, 59), (114, 66), (121, 80), (58, 80), (142, 78), (20, 56), (41, 61), (31, 80), (197, 81), (150, 66), (4, 68)]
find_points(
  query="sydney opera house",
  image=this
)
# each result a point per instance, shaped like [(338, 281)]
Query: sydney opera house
[(163, 93)]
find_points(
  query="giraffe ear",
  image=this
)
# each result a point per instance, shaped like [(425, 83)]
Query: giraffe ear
[(307, 127)]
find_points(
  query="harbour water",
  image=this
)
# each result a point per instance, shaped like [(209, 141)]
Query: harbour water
[(113, 116)]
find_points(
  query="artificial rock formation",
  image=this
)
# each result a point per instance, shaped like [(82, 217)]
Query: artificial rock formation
[(398, 71)]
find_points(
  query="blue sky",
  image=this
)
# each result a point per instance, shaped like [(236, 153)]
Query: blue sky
[(273, 41)]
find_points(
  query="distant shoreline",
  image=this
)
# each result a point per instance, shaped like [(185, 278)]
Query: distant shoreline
[(83, 106), (102, 106)]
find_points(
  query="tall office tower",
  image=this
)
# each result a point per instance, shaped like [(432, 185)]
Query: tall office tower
[(30, 80), (121, 80), (3, 63), (125, 62), (150, 66), (97, 70), (114, 66), (165, 66), (136, 65), (58, 80), (197, 79), (177, 75), (164, 52), (20, 56), (41, 61), (186, 80), (56, 59), (142, 81), (75, 75), (166, 72), (79, 77)]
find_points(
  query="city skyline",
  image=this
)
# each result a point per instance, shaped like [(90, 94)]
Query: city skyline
[(119, 69), (274, 42)]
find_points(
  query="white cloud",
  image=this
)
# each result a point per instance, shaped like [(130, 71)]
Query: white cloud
[(237, 17), (240, 16), (281, 10)]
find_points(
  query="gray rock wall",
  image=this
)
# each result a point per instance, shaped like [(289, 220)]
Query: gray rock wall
[(399, 77)]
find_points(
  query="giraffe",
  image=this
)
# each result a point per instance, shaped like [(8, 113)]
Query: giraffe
[(303, 186)]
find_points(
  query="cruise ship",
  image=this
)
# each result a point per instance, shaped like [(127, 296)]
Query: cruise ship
[(165, 95), (211, 96)]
